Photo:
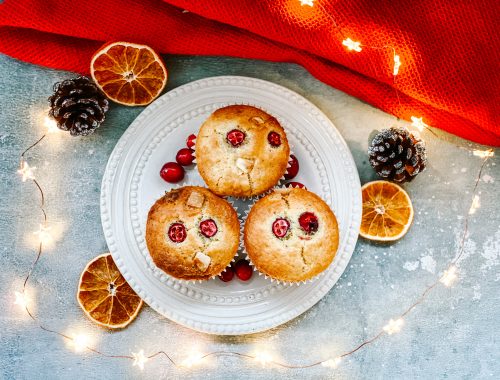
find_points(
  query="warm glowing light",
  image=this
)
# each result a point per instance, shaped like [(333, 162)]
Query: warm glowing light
[(352, 45), (332, 363), (21, 299), (418, 123), (50, 124), (307, 2), (449, 276), (483, 153), (397, 64), (394, 326), (26, 171), (79, 342), (263, 357), (43, 234), (475, 205), (193, 359), (139, 359)]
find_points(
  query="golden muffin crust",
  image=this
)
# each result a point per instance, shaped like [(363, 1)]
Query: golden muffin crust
[(299, 254), (193, 254), (251, 167)]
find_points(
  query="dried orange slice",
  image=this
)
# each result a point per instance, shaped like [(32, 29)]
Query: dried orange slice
[(105, 296), (129, 74), (387, 211)]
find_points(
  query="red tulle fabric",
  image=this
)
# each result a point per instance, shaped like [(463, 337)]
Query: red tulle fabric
[(450, 62)]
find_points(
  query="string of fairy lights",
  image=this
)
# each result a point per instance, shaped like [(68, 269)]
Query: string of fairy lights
[(81, 342)]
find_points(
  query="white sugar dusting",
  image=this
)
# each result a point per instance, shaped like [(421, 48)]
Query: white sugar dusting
[(491, 252), (428, 263), (477, 293), (411, 265), (487, 178)]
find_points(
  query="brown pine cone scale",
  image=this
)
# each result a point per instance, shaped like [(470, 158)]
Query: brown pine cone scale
[(78, 106), (397, 155)]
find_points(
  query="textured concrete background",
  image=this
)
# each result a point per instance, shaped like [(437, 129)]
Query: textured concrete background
[(455, 334)]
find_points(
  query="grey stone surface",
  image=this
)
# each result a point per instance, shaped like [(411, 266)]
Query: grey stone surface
[(454, 334)]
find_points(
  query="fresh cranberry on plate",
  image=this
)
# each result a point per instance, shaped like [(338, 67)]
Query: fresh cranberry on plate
[(190, 141), (172, 172), (184, 157), (293, 170), (227, 275), (243, 270)]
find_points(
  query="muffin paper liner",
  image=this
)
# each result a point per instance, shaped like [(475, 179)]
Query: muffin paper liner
[(283, 179), (247, 257), (231, 202)]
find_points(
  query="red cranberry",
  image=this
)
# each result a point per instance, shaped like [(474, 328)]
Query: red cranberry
[(208, 228), (280, 227), (177, 233), (274, 139), (227, 275), (172, 172), (190, 141), (235, 137), (296, 184), (308, 222), (185, 156), (293, 170), (243, 270)]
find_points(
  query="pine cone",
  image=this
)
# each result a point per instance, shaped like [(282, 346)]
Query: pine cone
[(397, 155), (78, 106)]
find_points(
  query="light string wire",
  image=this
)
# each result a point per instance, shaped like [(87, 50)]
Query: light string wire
[(357, 46), (139, 358)]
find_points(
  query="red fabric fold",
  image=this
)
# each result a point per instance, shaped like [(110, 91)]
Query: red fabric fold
[(449, 71)]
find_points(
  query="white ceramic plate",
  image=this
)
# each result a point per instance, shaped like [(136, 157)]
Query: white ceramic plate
[(131, 184)]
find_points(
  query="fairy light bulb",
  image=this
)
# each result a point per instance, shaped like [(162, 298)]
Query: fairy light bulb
[(449, 276), (394, 326), (263, 357), (476, 203), (307, 2), (352, 45), (80, 342), (50, 124), (139, 359), (193, 359), (44, 236), (397, 64), (21, 299), (483, 153), (332, 363), (26, 171), (418, 123)]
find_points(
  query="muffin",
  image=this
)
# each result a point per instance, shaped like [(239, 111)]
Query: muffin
[(241, 151), (192, 234), (291, 235)]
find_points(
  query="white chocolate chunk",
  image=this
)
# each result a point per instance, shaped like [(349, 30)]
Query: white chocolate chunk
[(244, 164), (195, 199), (202, 261)]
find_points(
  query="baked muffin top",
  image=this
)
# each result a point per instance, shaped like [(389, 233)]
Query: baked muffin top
[(241, 151), (192, 234), (291, 235)]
